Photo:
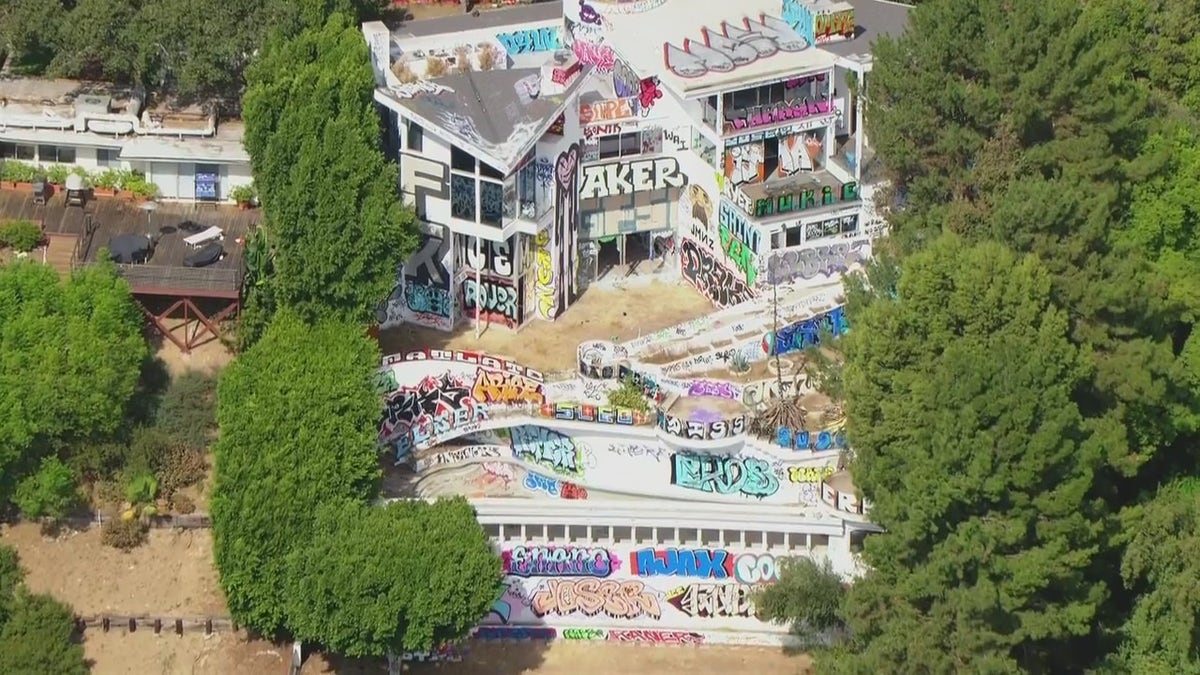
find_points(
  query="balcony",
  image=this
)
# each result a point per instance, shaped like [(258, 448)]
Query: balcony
[(805, 194)]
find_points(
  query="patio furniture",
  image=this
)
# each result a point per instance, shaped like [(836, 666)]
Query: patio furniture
[(129, 249), (205, 256), (41, 190), (75, 190), (199, 239)]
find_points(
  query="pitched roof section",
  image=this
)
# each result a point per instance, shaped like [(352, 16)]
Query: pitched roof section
[(500, 114)]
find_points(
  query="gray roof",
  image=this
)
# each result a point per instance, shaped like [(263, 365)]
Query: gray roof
[(492, 111), (873, 18), (496, 18)]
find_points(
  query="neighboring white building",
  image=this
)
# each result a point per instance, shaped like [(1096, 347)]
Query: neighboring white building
[(97, 127), (716, 141)]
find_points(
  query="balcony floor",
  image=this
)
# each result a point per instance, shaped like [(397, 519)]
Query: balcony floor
[(803, 188)]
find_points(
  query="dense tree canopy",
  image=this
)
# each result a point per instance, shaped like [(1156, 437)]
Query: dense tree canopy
[(196, 49), (299, 548), (71, 354), (336, 227), (1024, 374), (967, 440)]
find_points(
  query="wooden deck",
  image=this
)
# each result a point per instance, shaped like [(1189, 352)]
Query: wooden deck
[(164, 273)]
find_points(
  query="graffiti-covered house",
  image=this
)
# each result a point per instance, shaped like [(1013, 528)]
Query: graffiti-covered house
[(549, 147)]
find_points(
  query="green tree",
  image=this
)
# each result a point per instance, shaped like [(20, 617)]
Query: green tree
[(11, 577), (70, 358), (299, 547), (312, 132), (36, 631), (807, 598), (298, 423), (39, 638), (1162, 540), (363, 588), (979, 466), (50, 492)]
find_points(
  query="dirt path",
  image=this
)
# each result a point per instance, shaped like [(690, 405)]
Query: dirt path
[(599, 314)]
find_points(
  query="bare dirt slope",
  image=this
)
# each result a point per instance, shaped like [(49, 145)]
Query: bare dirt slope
[(599, 314), (173, 575)]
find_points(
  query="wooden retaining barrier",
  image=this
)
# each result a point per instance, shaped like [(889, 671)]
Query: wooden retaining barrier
[(173, 624)]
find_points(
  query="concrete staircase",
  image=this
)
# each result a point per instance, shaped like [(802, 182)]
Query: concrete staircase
[(59, 251)]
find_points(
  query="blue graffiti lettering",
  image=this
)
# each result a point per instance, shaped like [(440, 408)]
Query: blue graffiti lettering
[(724, 475), (536, 482), (547, 448), (801, 19), (804, 334), (515, 633), (798, 439), (557, 561), (424, 299), (682, 562), (531, 41)]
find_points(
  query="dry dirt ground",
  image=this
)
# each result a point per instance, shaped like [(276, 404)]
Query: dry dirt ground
[(599, 314), (173, 575)]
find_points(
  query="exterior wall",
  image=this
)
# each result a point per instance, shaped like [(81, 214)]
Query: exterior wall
[(175, 178), (583, 591)]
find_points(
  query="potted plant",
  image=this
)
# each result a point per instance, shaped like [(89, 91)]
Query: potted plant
[(18, 174), (244, 195), (106, 183), (141, 189), (57, 174)]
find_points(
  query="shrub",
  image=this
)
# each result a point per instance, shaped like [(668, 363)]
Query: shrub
[(628, 395), (110, 179), (124, 534), (435, 66), (17, 172), (462, 59), (22, 235), (50, 492), (185, 467), (183, 504), (488, 56), (142, 489), (188, 410), (57, 173)]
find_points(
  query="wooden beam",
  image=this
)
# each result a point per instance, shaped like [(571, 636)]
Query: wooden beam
[(162, 327)]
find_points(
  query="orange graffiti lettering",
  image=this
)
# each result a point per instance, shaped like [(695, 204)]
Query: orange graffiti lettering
[(611, 109), (617, 599), (493, 386)]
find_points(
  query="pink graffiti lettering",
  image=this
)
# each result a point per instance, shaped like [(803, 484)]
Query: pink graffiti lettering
[(590, 596), (600, 56), (657, 637)]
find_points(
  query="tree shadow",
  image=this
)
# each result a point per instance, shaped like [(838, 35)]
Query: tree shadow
[(473, 657)]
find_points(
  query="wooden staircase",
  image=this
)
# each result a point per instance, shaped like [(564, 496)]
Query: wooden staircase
[(59, 252)]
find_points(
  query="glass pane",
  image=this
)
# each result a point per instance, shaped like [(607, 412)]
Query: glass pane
[(610, 146), (462, 160), (66, 155), (527, 191), (416, 137), (631, 144), (491, 202), (462, 197), (490, 172), (25, 153), (509, 207)]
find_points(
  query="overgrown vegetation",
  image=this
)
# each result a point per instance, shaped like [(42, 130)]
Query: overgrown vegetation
[(195, 50), (1021, 383), (629, 395), (336, 231), (299, 546), (73, 354), (37, 632), (20, 235)]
